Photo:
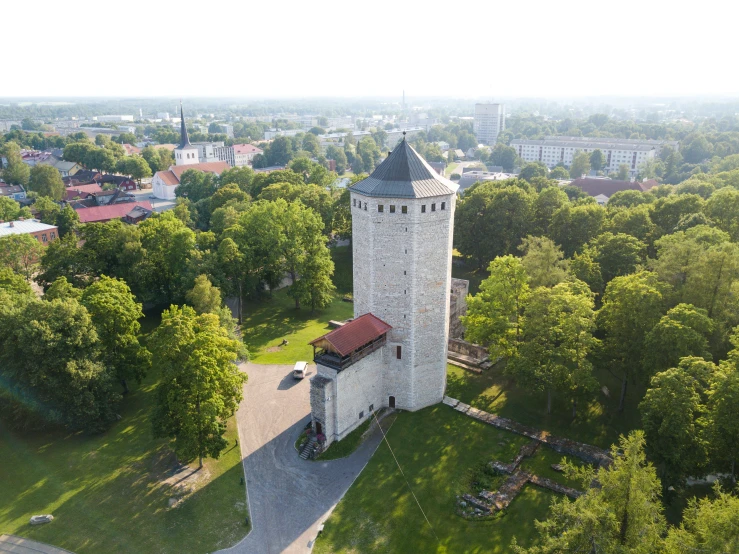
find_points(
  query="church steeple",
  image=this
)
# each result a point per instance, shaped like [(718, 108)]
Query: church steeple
[(184, 140)]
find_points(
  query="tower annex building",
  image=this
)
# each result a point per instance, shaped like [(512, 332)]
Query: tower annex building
[(393, 353)]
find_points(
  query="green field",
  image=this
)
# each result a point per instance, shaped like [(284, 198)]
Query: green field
[(108, 492), (268, 322), (438, 449)]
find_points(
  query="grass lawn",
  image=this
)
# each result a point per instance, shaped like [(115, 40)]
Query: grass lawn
[(598, 422), (268, 322), (439, 450), (451, 167), (107, 493)]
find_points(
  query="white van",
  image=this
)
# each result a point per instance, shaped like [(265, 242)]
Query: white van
[(300, 369)]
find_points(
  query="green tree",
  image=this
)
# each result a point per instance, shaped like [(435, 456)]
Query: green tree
[(722, 420), (548, 201), (597, 159), (342, 210), (632, 306), (100, 159), (134, 166), (10, 210), (533, 169), (62, 258), (495, 314), (200, 387), (78, 151), (557, 337), (504, 156), (204, 297), (559, 172), (195, 185), (617, 254), (14, 284), (622, 515), (629, 199), (632, 221), (574, 226), (337, 154), (580, 164), (500, 212), (115, 315), (15, 172), (49, 354), (240, 176), (543, 262), (709, 525), (623, 172), (67, 220), (722, 207), (311, 144), (672, 411), (683, 331), (61, 289), (20, 253), (46, 181), (667, 211)]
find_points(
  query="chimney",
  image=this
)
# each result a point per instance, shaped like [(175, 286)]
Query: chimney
[(388, 154), (21, 219), (11, 224)]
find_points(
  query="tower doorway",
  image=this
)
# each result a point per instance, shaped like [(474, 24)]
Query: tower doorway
[(319, 428), (391, 402)]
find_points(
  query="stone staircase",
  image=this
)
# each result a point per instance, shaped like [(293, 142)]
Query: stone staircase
[(307, 450)]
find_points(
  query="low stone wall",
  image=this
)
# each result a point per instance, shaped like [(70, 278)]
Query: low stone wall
[(457, 307), (468, 349), (586, 452)]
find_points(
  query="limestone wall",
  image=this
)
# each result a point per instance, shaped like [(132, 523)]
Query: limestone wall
[(458, 307), (357, 388), (402, 274), (468, 349)]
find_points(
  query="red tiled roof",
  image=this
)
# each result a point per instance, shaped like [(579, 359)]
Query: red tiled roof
[(82, 191), (246, 149), (609, 187), (167, 177), (207, 167), (106, 213), (649, 184), (349, 337), (131, 149)]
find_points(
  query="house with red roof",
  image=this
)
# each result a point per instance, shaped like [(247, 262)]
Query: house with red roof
[(244, 154), (101, 214)]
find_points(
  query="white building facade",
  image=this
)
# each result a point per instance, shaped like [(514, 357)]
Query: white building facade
[(489, 122), (553, 151), (402, 228)]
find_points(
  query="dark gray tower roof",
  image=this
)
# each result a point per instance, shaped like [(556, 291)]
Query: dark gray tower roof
[(404, 174), (184, 139)]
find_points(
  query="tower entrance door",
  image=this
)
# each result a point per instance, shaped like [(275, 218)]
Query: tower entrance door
[(319, 428), (391, 402)]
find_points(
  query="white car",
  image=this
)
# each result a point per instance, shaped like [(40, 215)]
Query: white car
[(300, 370)]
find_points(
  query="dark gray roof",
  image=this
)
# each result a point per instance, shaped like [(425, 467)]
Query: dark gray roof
[(404, 174), (184, 139)]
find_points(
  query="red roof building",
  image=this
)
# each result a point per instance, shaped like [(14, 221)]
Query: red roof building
[(81, 191), (101, 214), (350, 342)]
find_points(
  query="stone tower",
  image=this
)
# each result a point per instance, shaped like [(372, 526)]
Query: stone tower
[(185, 153), (402, 227)]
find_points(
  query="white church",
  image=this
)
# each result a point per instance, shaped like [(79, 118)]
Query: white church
[(394, 352), (165, 183)]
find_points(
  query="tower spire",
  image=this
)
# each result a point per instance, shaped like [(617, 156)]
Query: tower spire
[(184, 140)]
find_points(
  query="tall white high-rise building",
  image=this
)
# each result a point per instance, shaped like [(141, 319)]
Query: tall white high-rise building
[(489, 122)]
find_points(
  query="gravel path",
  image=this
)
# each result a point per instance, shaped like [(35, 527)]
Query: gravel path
[(288, 497)]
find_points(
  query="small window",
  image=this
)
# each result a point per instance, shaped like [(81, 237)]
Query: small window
[(404, 209), (355, 202), (372, 407), (380, 208), (392, 208), (433, 207), (423, 208), (443, 205), (405, 273), (365, 206), (398, 351), (53, 236), (43, 237), (361, 415)]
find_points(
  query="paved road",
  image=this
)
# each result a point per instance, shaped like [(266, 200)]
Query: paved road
[(156, 203), (288, 497)]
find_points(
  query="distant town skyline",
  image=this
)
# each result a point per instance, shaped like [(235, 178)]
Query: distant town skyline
[(326, 49)]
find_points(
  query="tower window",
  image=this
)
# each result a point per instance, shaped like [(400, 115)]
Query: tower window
[(404, 209), (443, 205), (405, 273), (392, 208), (380, 208), (423, 208), (355, 202), (365, 206), (433, 207), (398, 352), (361, 414), (371, 407)]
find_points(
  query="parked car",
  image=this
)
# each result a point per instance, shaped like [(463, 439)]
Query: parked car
[(300, 370)]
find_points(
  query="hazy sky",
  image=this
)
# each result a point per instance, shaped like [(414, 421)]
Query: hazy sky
[(289, 48)]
